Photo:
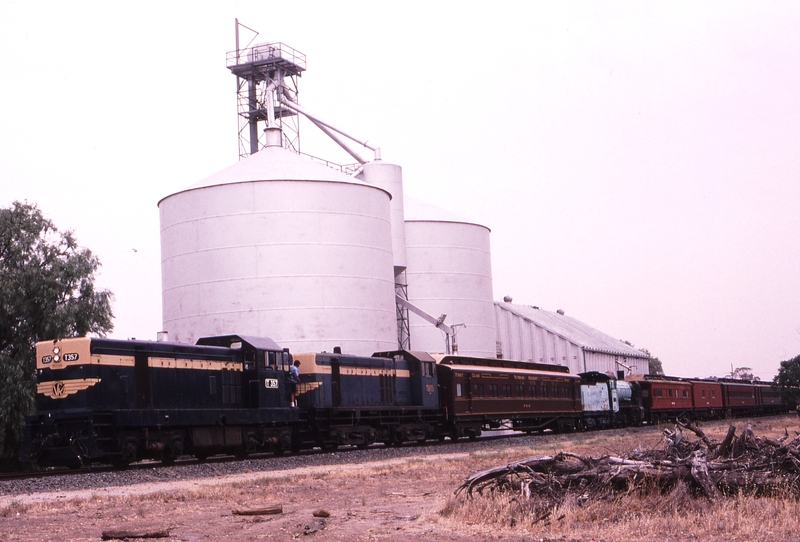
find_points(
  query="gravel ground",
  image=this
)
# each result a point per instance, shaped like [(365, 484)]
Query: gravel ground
[(387, 494), (150, 473)]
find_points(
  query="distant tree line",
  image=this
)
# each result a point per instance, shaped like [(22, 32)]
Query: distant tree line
[(788, 380)]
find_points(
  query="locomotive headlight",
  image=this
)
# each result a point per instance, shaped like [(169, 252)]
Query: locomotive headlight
[(56, 350), (56, 358)]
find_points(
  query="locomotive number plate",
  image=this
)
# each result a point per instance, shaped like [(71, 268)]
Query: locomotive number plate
[(70, 357), (271, 383)]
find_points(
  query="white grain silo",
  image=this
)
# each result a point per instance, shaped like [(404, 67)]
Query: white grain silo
[(279, 246), (390, 178), (449, 272)]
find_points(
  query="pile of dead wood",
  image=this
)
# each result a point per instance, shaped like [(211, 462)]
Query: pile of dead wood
[(755, 465)]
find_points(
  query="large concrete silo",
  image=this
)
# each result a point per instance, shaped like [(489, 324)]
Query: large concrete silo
[(449, 272), (279, 246)]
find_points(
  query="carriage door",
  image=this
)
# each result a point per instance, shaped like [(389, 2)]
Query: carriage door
[(142, 379), (336, 382), (468, 392)]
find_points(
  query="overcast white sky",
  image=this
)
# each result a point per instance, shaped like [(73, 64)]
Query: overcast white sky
[(637, 162)]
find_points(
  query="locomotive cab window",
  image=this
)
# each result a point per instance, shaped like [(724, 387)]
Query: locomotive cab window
[(286, 360), (427, 368), (249, 359)]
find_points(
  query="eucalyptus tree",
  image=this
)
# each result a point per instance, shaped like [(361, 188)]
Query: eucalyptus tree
[(47, 291)]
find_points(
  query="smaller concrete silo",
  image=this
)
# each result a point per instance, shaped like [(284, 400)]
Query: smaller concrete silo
[(449, 272)]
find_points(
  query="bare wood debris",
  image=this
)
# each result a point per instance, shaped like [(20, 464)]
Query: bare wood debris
[(265, 511), (133, 534), (755, 465)]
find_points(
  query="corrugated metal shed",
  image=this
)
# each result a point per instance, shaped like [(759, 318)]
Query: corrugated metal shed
[(528, 333)]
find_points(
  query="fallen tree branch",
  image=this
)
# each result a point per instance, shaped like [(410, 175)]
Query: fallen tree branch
[(711, 469)]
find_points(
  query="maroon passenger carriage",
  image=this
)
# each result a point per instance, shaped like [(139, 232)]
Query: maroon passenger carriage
[(707, 399), (665, 397), (488, 393)]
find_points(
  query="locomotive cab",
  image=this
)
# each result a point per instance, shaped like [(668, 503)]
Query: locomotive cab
[(265, 369)]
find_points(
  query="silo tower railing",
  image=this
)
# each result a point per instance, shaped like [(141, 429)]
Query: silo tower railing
[(262, 70), (253, 60)]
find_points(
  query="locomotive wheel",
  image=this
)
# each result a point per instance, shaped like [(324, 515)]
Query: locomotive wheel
[(329, 446), (168, 459), (120, 462)]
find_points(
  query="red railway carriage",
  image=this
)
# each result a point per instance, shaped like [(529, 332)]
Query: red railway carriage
[(707, 399), (486, 393), (739, 397), (665, 397), (769, 398)]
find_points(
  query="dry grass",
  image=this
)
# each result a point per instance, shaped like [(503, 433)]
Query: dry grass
[(673, 516), (648, 514)]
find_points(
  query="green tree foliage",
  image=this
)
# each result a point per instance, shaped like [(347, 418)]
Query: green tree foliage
[(656, 368), (46, 291), (788, 381), (654, 364)]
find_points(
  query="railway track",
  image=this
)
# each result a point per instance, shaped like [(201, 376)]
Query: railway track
[(187, 466)]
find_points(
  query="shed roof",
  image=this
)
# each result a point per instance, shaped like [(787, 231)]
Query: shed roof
[(573, 330)]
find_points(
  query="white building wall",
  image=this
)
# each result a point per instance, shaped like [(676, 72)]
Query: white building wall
[(522, 339)]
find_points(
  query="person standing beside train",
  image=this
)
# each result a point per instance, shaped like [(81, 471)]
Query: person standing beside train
[(294, 379)]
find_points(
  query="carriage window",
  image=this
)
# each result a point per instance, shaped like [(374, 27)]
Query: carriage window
[(532, 391), (686, 393), (458, 390), (507, 390), (520, 390), (713, 394), (658, 392), (479, 390), (703, 394), (493, 390)]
